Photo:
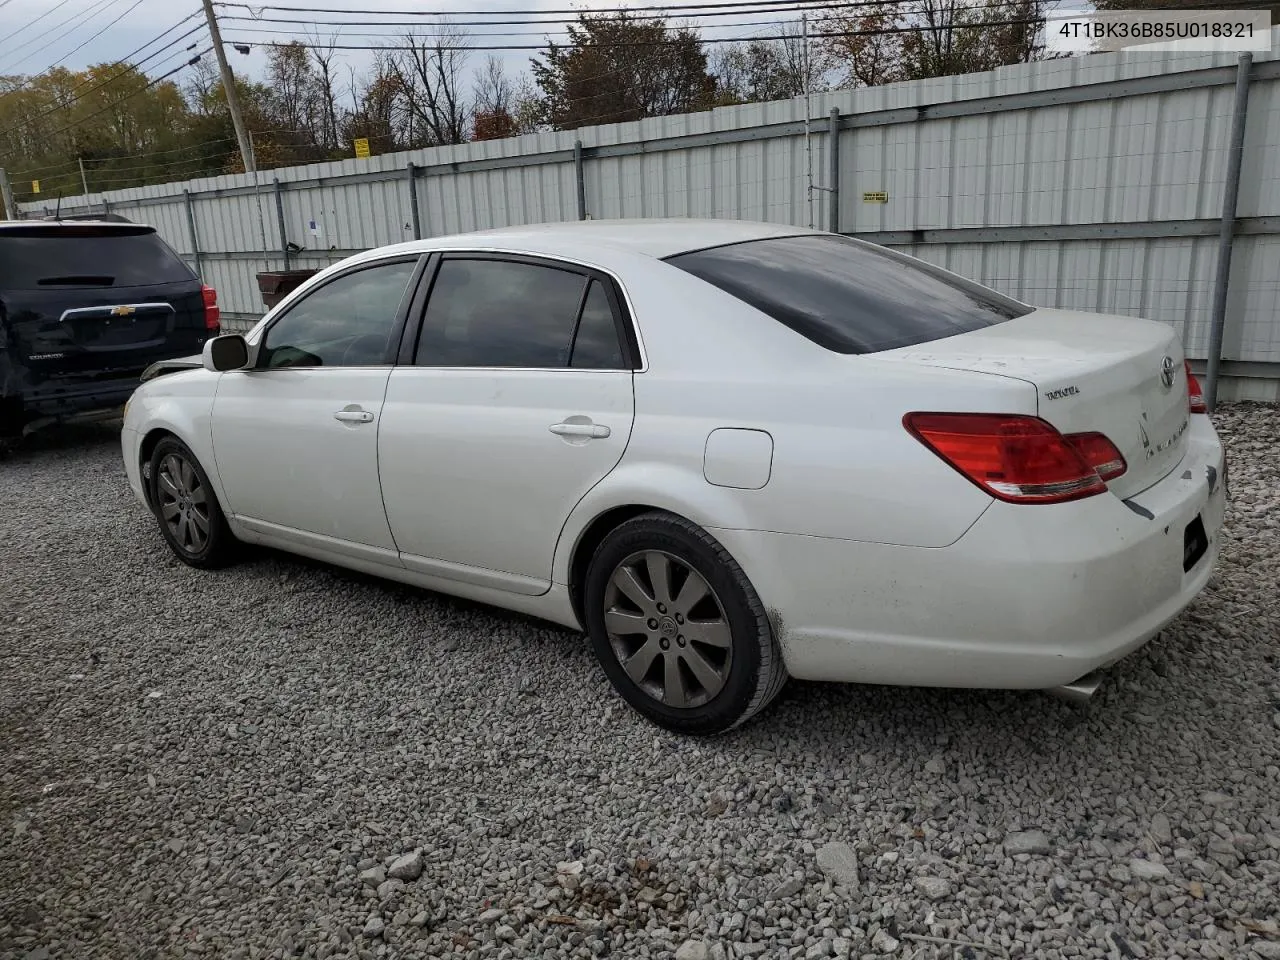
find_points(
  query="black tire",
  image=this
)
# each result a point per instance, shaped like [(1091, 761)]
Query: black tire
[(190, 518), (744, 658)]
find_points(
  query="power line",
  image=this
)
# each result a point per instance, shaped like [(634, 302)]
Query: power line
[(663, 11), (129, 68), (663, 43), (138, 92), (533, 20), (86, 14), (28, 26), (471, 34), (66, 56), (125, 59)]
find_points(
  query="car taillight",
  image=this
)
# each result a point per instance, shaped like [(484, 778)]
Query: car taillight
[(1099, 453), (212, 315), (1015, 458), (1195, 395)]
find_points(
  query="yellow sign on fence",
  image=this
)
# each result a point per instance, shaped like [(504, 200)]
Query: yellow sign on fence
[(35, 186), (362, 148), (875, 196)]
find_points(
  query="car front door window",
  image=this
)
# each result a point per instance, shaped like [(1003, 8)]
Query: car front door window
[(348, 322)]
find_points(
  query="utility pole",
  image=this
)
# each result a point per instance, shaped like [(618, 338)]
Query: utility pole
[(84, 180), (10, 208), (808, 148), (229, 85)]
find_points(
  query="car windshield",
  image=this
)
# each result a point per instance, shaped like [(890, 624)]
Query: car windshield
[(847, 295), (58, 256)]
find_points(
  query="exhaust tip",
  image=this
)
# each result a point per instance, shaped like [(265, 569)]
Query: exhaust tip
[(1078, 691)]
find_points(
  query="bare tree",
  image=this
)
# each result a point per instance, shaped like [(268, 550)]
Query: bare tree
[(430, 73), (322, 55), (378, 106), (755, 71), (494, 92)]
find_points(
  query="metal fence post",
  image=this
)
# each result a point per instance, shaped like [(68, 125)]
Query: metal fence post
[(581, 178), (6, 193), (1226, 234), (106, 205), (191, 229), (412, 173), (833, 172), (284, 239)]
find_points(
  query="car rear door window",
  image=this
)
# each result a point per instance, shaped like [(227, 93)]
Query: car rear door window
[(52, 256), (847, 295), (596, 345), (348, 322), (500, 313)]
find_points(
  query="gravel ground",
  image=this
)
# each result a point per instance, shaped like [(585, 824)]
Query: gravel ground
[(288, 760)]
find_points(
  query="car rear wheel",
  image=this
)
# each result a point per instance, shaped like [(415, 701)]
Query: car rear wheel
[(191, 520), (678, 628)]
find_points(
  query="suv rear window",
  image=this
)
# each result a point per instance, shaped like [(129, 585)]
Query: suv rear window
[(39, 257), (848, 295)]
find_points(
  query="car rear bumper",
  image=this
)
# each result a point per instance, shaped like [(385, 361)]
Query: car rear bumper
[(1029, 597), (64, 402)]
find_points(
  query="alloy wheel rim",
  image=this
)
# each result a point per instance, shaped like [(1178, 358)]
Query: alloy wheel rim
[(184, 503), (668, 629)]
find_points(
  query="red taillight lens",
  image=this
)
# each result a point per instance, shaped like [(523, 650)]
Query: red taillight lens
[(1195, 395), (212, 315), (1099, 453), (1014, 458)]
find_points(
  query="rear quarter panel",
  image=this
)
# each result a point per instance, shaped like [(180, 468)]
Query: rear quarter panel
[(843, 466)]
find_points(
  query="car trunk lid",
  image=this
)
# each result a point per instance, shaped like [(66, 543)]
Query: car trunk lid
[(1118, 376)]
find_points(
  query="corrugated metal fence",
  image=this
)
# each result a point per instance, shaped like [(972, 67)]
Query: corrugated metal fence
[(1092, 183)]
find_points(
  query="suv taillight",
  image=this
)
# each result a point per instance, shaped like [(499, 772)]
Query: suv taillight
[(212, 315), (1195, 395), (1019, 459)]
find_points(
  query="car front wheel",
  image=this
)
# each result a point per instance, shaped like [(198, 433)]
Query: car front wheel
[(191, 519), (678, 628)]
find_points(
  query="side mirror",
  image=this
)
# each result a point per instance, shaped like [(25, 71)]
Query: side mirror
[(227, 352)]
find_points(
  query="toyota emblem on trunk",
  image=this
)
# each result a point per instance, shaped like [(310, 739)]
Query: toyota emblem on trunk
[(1166, 372)]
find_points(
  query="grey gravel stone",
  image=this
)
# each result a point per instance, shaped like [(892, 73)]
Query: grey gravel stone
[(839, 862), (787, 889), (1160, 829), (1027, 841), (1148, 870), (407, 867), (360, 739), (933, 888), (374, 927), (693, 950), (884, 942)]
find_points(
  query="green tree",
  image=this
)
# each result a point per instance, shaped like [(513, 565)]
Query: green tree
[(756, 71), (616, 68), (917, 39)]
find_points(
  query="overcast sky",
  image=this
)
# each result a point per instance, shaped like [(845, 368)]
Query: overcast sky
[(107, 30)]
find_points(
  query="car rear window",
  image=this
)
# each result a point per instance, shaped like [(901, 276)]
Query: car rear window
[(41, 257), (847, 295)]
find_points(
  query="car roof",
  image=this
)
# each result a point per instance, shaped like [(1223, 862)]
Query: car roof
[(654, 238), (99, 227)]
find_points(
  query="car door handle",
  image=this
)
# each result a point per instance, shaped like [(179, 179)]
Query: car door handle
[(591, 431), (353, 416)]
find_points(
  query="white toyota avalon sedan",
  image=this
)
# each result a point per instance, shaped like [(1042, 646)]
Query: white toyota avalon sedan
[(729, 452)]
